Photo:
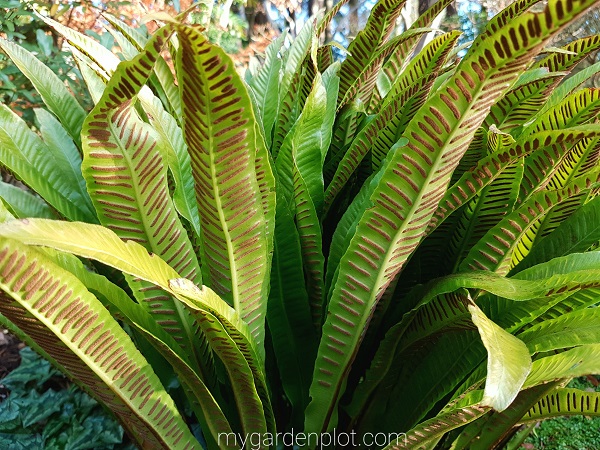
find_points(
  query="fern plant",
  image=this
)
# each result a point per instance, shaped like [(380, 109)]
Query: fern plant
[(396, 249)]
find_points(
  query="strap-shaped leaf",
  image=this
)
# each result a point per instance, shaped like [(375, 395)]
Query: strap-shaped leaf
[(104, 59), (325, 57), (424, 381), (299, 166), (408, 93), (292, 101), (265, 88), (323, 24), (554, 168), (526, 100), (138, 37), (567, 87), (580, 327), (209, 413), (128, 48), (384, 85), (577, 161), (564, 402), (487, 169), (52, 90), (57, 312), (48, 173), (289, 110), (93, 78), (436, 308), (475, 152), (437, 370), (427, 64), (489, 431), (508, 363), (230, 340), (574, 52), (575, 110), (93, 242), (294, 58), (250, 407), (411, 185), (368, 42), (548, 223), (348, 123), (219, 129), (576, 234), (61, 146), (177, 156), (451, 359), (484, 212), (22, 204), (360, 91), (581, 299), (164, 77), (431, 430), (372, 134), (507, 15), (522, 102), (577, 362), (265, 178), (449, 313), (398, 61), (581, 159), (170, 139), (293, 336), (101, 244), (126, 175), (122, 308), (496, 250)]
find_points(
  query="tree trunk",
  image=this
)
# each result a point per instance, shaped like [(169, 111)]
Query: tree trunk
[(353, 23), (412, 10)]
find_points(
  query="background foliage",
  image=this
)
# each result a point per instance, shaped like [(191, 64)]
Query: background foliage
[(45, 411)]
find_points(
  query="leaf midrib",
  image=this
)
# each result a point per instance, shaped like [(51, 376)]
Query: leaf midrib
[(217, 197)]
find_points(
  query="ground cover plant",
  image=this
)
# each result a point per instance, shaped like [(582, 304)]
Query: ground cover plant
[(395, 246), (45, 411)]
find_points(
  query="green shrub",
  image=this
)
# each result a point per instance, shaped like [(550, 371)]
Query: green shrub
[(19, 23), (385, 244)]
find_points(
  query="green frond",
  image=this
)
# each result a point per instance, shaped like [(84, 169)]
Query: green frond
[(224, 156), (576, 362), (22, 204), (368, 42), (431, 430), (503, 246), (68, 322), (564, 402), (489, 431), (48, 173), (405, 97), (52, 90), (397, 62), (580, 327), (412, 182), (126, 175)]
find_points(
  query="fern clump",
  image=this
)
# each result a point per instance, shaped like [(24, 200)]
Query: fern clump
[(394, 245)]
